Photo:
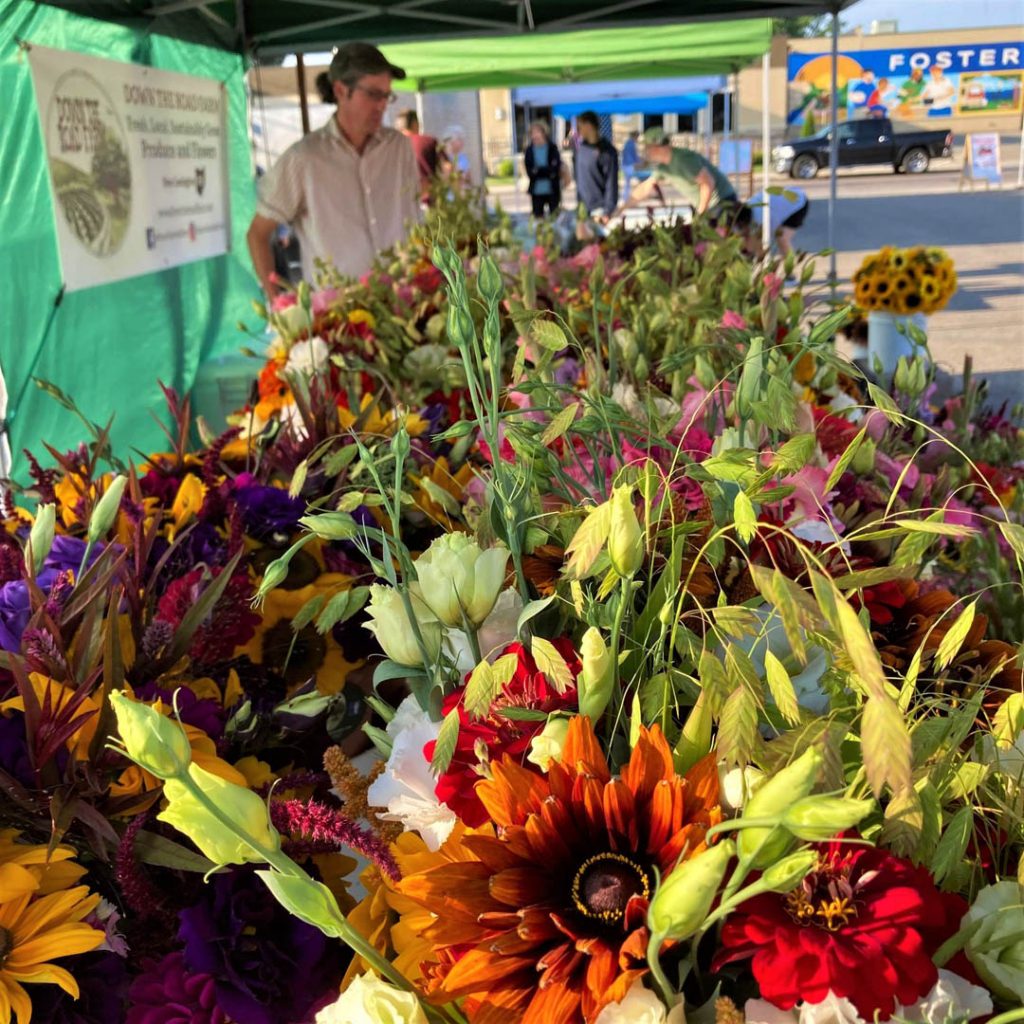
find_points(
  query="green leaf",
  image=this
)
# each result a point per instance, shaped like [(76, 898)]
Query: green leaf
[(965, 780), (781, 688), (950, 644), (950, 849), (931, 829), (560, 424), (845, 459), (447, 739), (795, 453), (904, 821), (551, 663), (161, 852), (745, 516), (515, 714), (587, 541), (481, 689), (533, 609), (548, 335), (749, 387), (308, 612)]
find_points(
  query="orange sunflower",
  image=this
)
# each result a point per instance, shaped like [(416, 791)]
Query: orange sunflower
[(548, 921)]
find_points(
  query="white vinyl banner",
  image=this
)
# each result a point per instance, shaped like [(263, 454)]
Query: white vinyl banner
[(137, 164)]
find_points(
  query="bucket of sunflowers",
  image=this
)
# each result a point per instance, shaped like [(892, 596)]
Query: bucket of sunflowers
[(899, 288)]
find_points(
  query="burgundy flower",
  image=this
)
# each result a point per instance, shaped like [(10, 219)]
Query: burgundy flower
[(863, 925), (168, 993)]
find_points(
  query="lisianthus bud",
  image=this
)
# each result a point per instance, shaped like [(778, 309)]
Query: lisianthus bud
[(864, 458), (390, 625), (489, 279), (40, 540), (598, 675), (546, 746), (788, 872), (459, 579), (369, 1000), (995, 924), (306, 899), (153, 741), (330, 525), (274, 575), (220, 842), (817, 818), (625, 538), (684, 898), (105, 511), (760, 847)]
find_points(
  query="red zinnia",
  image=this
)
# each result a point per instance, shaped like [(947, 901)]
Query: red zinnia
[(863, 925), (495, 735)]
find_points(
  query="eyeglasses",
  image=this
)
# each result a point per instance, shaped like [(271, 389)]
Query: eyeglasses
[(376, 96)]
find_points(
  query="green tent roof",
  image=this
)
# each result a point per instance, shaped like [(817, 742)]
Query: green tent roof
[(288, 26), (705, 48)]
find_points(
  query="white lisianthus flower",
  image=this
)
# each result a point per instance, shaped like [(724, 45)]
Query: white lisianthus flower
[(497, 632), (308, 357), (546, 746), (459, 578), (406, 786), (370, 1000), (390, 625), (640, 1006), (738, 785), (292, 320)]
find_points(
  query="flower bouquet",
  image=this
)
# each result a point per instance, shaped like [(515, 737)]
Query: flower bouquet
[(905, 281)]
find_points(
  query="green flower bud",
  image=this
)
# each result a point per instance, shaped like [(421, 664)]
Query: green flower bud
[(40, 540), (684, 898), (153, 741), (864, 458), (222, 843), (787, 874), (327, 525), (400, 444), (625, 537), (818, 818), (105, 511), (761, 847), (489, 279), (306, 899), (598, 676)]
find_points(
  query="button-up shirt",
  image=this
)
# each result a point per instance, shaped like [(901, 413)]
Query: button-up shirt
[(344, 206)]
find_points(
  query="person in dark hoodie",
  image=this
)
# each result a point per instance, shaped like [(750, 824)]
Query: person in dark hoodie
[(597, 169)]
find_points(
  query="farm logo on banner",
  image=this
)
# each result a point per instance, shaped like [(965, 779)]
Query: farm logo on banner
[(137, 164), (911, 83)]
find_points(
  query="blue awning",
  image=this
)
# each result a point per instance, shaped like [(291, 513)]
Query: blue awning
[(685, 103), (589, 93)]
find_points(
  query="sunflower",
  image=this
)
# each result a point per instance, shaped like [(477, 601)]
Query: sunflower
[(898, 259), (38, 926), (439, 491), (548, 921), (381, 424)]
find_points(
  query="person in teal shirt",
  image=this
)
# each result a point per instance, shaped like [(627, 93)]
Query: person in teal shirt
[(696, 178)]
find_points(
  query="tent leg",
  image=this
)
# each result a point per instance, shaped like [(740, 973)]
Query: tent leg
[(300, 77), (833, 152), (766, 148)]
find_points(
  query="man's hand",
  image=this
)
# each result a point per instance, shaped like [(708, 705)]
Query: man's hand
[(261, 232)]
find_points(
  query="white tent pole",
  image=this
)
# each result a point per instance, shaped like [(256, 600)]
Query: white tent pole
[(833, 151), (766, 142)]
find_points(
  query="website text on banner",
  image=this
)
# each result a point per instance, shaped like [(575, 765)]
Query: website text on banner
[(913, 82), (136, 160)]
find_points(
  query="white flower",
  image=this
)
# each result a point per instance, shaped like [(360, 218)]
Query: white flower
[(497, 632), (308, 357), (292, 320), (640, 1006), (369, 1000), (953, 1000), (390, 625), (459, 579), (737, 786), (546, 746), (760, 1011), (406, 787)]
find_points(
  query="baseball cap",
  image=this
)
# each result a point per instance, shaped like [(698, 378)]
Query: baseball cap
[(356, 59), (655, 136)]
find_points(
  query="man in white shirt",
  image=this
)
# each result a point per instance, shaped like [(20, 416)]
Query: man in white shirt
[(349, 189)]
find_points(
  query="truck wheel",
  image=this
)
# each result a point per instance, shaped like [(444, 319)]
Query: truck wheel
[(804, 166), (915, 161)]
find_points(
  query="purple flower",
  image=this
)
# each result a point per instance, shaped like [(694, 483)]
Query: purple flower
[(202, 712), (201, 545), (14, 756), (66, 553), (267, 511), (269, 966), (168, 993), (102, 980)]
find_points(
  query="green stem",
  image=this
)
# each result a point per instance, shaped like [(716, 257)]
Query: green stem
[(625, 589), (654, 963)]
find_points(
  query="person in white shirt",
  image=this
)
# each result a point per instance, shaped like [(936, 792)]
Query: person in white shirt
[(350, 188), (938, 93), (787, 211)]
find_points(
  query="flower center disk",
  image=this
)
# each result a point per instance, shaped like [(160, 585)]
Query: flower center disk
[(605, 883)]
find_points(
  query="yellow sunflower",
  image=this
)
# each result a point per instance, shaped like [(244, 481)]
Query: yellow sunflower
[(37, 927), (898, 259), (382, 424), (439, 492), (362, 316)]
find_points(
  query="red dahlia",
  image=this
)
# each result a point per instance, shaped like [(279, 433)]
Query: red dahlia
[(863, 925)]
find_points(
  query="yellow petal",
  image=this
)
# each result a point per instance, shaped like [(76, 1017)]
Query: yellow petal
[(54, 975), (67, 940), (57, 908), (16, 881)]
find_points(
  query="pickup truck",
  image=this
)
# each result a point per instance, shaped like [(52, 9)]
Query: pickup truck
[(871, 141)]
